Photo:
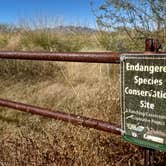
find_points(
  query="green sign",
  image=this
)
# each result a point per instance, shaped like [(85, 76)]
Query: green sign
[(143, 100)]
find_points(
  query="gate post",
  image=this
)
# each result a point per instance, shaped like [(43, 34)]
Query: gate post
[(152, 45), (148, 157)]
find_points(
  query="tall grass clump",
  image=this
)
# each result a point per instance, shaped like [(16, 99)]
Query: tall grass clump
[(3, 41), (6, 31), (29, 70)]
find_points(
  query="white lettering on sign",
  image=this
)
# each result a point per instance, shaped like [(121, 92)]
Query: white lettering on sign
[(145, 68), (147, 81), (146, 93), (145, 104)]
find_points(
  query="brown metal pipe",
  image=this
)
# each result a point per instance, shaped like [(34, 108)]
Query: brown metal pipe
[(91, 57), (67, 117)]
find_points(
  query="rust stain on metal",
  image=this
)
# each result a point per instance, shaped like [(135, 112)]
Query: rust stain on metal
[(74, 119)]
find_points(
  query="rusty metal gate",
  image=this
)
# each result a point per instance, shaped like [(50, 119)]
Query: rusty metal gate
[(151, 46)]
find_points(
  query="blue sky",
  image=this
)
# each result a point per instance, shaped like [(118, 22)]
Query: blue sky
[(69, 11)]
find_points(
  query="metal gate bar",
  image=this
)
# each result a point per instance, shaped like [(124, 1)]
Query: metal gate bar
[(78, 120), (91, 57)]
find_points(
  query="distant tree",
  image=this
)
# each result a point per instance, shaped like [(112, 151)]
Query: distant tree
[(138, 18)]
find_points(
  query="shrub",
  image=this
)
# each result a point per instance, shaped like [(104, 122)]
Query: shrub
[(118, 41), (3, 41)]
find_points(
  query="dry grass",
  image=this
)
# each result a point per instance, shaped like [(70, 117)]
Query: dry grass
[(84, 89), (78, 88)]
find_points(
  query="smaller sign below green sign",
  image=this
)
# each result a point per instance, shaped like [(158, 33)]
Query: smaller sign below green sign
[(143, 100)]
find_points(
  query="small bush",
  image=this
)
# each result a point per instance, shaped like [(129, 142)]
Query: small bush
[(3, 41), (29, 70), (118, 41)]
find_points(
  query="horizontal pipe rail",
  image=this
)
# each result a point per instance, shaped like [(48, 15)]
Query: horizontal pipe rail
[(67, 117), (91, 57)]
